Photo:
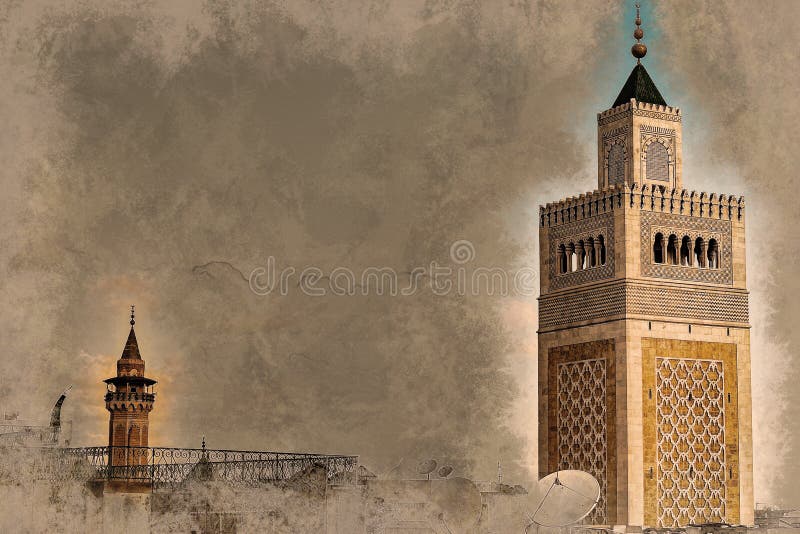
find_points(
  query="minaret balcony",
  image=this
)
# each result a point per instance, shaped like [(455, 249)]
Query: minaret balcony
[(129, 396)]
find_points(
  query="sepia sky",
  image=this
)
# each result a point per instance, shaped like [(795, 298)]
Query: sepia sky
[(155, 153)]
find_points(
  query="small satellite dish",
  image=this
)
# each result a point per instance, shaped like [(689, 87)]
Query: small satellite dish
[(427, 467), (565, 497), (445, 471)]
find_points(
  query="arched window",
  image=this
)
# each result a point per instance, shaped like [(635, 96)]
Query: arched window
[(616, 164), (562, 259), (573, 258), (658, 248), (713, 254), (591, 252), (672, 250), (602, 243), (699, 252), (657, 162), (686, 246)]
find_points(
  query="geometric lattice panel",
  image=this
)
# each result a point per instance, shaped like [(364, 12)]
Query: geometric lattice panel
[(616, 164), (581, 416), (690, 434), (657, 162)]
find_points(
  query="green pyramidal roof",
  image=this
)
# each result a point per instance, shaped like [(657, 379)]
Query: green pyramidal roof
[(640, 86)]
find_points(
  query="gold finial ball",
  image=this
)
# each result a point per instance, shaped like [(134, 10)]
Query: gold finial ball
[(639, 50), (638, 33)]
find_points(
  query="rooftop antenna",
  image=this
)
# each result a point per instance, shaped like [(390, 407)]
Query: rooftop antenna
[(639, 50)]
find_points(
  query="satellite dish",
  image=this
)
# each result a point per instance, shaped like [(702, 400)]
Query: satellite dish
[(565, 497), (427, 467), (445, 471)]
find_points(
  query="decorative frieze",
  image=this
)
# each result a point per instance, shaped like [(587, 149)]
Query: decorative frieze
[(656, 130), (657, 115), (641, 109), (628, 298), (616, 132)]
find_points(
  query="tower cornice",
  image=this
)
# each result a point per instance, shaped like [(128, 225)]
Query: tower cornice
[(637, 108), (643, 197)]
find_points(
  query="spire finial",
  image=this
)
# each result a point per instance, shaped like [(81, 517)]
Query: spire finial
[(639, 50), (204, 443), (133, 321)]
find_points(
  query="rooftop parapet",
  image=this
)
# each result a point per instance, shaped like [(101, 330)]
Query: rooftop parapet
[(636, 105), (583, 206), (642, 197)]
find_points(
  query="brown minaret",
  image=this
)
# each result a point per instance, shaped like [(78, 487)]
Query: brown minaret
[(129, 399)]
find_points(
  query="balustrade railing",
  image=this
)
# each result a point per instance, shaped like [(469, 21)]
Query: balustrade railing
[(170, 467), (130, 396)]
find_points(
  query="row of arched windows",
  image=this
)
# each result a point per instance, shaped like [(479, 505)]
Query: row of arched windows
[(584, 254), (674, 251)]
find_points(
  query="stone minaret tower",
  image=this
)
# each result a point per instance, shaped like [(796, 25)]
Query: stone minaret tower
[(129, 399), (644, 341)]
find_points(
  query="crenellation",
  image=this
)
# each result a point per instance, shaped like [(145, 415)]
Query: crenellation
[(643, 197), (576, 208), (654, 107), (634, 107), (613, 111)]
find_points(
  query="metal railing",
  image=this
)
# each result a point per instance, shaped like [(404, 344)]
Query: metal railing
[(171, 468), (122, 396)]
